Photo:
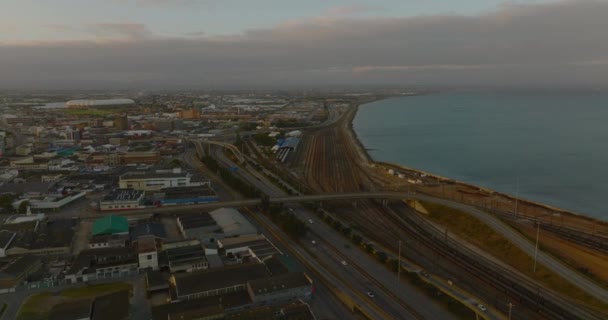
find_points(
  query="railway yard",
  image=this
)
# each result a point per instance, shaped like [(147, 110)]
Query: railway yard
[(329, 161)]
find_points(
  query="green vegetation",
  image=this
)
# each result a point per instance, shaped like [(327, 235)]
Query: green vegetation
[(262, 139), (23, 206), (291, 224), (6, 201), (87, 112), (2, 309), (176, 163), (230, 179), (249, 126), (453, 305), (38, 306), (478, 233), (290, 124), (95, 290)]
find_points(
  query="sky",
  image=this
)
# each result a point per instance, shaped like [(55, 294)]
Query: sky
[(78, 44)]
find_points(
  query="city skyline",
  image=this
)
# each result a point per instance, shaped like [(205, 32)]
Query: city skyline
[(168, 44)]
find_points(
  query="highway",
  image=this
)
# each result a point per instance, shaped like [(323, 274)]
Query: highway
[(354, 282), (336, 248)]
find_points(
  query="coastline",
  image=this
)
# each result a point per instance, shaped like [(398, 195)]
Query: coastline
[(474, 191)]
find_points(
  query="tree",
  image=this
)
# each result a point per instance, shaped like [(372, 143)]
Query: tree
[(357, 239), (346, 231), (6, 201), (381, 255), (23, 206), (175, 163)]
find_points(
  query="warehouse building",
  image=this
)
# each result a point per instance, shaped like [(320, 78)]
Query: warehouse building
[(232, 223), (186, 195), (213, 282), (284, 287), (122, 199), (156, 181), (111, 225), (186, 259)]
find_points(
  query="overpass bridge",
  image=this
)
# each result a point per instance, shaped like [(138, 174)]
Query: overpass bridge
[(274, 200), (200, 150)]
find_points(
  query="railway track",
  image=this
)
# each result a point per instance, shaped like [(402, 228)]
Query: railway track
[(332, 164), (597, 242), (522, 291)]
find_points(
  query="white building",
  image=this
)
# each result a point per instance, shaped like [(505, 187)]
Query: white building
[(147, 253), (122, 199), (155, 181)]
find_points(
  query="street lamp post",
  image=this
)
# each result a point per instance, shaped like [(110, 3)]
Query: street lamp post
[(517, 198), (399, 266), (536, 248)]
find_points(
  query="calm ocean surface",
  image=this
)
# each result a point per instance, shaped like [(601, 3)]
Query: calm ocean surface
[(556, 143)]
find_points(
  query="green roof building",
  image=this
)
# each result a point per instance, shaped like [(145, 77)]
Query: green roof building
[(110, 225)]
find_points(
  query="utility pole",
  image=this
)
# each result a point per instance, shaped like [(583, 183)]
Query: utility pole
[(517, 198), (536, 249), (399, 267)]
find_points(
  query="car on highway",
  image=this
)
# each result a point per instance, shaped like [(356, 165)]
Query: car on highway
[(370, 294), (310, 221), (481, 307), (344, 263), (313, 242)]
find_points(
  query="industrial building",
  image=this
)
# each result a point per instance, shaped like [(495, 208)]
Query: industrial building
[(186, 259), (110, 225), (233, 223), (186, 195), (156, 181), (198, 226), (213, 282), (102, 263), (296, 285), (287, 146), (122, 199), (247, 247)]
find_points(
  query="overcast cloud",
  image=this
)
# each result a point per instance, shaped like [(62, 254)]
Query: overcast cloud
[(562, 43)]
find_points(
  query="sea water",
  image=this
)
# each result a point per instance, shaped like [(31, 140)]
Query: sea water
[(548, 147)]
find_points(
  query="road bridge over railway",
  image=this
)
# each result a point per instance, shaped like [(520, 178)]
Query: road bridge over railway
[(200, 150)]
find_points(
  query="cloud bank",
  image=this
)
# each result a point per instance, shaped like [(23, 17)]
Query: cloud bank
[(554, 44)]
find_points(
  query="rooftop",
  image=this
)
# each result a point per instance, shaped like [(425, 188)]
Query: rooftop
[(197, 220), (149, 228), (123, 195), (280, 282), (110, 225), (152, 175), (201, 281), (233, 222), (201, 305)]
